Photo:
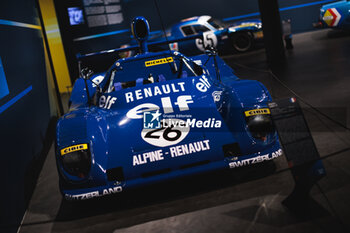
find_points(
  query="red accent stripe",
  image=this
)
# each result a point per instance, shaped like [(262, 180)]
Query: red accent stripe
[(334, 16)]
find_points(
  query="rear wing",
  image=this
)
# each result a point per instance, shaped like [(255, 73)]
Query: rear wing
[(102, 60)]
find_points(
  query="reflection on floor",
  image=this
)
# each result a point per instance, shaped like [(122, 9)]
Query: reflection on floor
[(239, 201)]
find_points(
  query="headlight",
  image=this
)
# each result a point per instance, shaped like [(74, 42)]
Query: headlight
[(260, 126), (77, 163)]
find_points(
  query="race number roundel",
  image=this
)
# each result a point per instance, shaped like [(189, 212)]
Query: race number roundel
[(171, 132), (209, 39)]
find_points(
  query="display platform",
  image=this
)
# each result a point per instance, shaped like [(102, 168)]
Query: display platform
[(245, 200)]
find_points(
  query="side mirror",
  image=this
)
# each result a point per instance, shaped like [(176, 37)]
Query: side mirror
[(140, 30), (96, 96), (211, 51), (86, 73)]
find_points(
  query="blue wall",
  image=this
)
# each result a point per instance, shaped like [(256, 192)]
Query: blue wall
[(302, 13), (82, 39), (24, 107)]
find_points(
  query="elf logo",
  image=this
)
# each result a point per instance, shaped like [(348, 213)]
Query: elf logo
[(182, 104), (332, 17), (106, 103), (203, 85)]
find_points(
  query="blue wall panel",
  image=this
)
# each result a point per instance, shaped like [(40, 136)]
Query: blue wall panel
[(82, 39), (85, 40), (24, 111), (4, 90)]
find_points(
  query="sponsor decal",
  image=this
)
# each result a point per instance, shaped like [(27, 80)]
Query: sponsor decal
[(151, 120), (171, 152), (159, 61), (106, 103), (257, 159), (182, 103), (243, 25), (203, 85), (137, 112), (331, 17), (189, 148), (217, 96), (148, 157), (154, 91), (85, 196), (174, 46), (247, 24), (172, 131), (166, 135), (258, 111), (71, 149), (192, 122)]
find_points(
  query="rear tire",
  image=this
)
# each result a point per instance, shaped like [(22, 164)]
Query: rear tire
[(242, 41)]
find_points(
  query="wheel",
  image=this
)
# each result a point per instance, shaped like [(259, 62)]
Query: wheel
[(242, 41)]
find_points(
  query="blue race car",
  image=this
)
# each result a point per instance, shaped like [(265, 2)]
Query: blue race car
[(159, 116), (240, 36), (335, 15)]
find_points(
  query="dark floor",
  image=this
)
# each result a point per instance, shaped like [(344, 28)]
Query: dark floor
[(238, 201)]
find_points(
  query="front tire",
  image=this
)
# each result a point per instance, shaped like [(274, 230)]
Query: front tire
[(242, 41)]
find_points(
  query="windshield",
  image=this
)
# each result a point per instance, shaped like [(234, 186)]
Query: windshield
[(216, 23), (160, 68)]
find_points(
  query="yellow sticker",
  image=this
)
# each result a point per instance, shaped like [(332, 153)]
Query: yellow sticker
[(259, 34), (258, 111), (71, 149), (247, 25), (328, 17), (159, 61), (243, 25)]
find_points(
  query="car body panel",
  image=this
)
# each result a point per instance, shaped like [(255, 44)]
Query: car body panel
[(219, 37), (336, 15), (111, 125)]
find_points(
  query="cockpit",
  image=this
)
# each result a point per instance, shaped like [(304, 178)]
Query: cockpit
[(145, 69)]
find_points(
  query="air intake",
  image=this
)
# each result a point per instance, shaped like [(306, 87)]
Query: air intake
[(195, 164), (115, 174), (155, 173), (231, 150)]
